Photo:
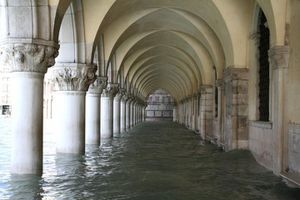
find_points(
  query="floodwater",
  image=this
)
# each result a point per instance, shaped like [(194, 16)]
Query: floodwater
[(154, 161)]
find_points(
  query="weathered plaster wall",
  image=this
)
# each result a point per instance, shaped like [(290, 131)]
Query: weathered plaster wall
[(292, 114), (260, 142)]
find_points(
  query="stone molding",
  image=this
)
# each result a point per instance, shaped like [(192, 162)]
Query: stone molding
[(220, 83), (70, 77), (261, 124), (205, 89), (28, 57), (279, 57), (233, 73), (98, 86), (111, 90)]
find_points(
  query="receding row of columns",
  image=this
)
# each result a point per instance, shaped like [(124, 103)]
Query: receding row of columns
[(218, 113), (86, 108), (103, 112)]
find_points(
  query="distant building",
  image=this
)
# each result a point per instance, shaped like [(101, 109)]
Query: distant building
[(160, 106), (4, 91)]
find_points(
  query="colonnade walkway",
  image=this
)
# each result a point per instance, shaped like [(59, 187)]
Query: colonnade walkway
[(155, 160)]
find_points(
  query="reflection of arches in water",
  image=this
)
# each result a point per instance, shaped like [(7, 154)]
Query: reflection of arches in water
[(264, 69)]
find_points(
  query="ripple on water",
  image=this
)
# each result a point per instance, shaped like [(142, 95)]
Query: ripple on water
[(154, 161)]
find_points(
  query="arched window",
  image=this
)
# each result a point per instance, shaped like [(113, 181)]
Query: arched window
[(263, 69)]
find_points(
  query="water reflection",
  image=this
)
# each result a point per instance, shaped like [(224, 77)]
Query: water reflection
[(25, 187), (153, 161)]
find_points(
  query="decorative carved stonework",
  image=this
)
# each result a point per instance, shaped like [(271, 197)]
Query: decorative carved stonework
[(98, 86), (235, 73), (219, 83), (279, 57), (28, 57), (74, 78), (111, 90), (125, 96), (120, 94)]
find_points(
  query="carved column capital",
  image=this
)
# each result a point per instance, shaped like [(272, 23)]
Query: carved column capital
[(279, 57), (125, 96), (98, 86), (28, 57), (204, 89), (220, 84), (111, 90), (120, 94), (73, 77), (235, 73)]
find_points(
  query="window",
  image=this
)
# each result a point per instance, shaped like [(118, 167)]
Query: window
[(264, 69)]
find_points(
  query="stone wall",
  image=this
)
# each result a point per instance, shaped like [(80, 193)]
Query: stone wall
[(294, 148), (261, 142), (160, 106)]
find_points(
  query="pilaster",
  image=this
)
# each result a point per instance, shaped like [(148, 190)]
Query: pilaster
[(236, 112), (279, 62), (206, 112)]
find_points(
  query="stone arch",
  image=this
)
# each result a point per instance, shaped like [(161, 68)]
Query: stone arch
[(71, 35)]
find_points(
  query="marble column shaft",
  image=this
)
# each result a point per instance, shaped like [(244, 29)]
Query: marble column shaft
[(28, 63), (71, 84)]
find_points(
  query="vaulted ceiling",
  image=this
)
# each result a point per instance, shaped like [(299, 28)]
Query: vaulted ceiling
[(171, 44)]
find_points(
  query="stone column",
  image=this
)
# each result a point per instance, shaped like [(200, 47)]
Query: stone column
[(143, 113), (107, 97), (184, 112), (179, 113), (93, 98), (218, 122), (128, 116), (140, 113), (191, 113), (279, 61), (195, 113), (132, 115), (123, 113), (71, 82), (174, 114), (206, 111), (135, 113), (236, 120), (27, 63), (117, 112)]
